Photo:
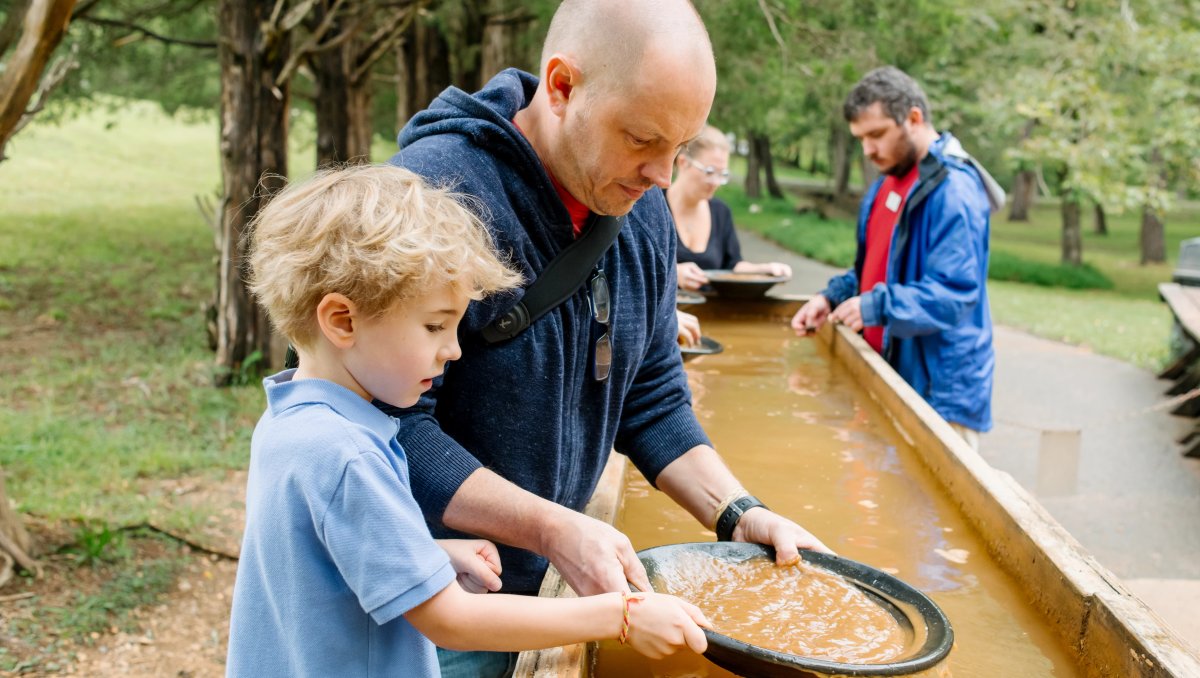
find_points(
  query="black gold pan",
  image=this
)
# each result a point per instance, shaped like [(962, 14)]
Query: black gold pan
[(706, 346), (929, 630)]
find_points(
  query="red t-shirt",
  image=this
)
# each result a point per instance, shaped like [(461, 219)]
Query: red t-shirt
[(885, 213), (579, 212)]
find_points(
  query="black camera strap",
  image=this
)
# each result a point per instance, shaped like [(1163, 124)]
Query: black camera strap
[(561, 278)]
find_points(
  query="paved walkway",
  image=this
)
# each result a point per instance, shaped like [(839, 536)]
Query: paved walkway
[(1081, 433)]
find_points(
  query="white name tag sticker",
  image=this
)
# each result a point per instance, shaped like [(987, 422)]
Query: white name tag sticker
[(893, 201)]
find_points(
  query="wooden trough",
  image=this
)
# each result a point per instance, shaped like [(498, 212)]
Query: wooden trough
[(1108, 630)]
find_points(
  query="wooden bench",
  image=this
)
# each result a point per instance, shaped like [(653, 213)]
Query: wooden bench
[(1184, 368)]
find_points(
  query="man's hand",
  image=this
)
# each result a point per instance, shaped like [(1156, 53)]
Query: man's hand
[(690, 276), (689, 328), (849, 313), (811, 316), (592, 556), (476, 561), (760, 526)]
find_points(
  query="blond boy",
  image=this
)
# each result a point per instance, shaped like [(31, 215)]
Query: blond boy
[(368, 271)]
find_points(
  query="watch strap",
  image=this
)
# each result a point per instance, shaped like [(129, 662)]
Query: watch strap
[(733, 514)]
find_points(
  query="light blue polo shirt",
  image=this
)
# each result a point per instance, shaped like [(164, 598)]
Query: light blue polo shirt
[(335, 549)]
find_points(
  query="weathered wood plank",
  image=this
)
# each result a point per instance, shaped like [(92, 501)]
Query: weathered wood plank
[(574, 661), (1184, 302)]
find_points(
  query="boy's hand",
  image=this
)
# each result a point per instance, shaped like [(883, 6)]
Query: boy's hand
[(659, 625), (476, 561)]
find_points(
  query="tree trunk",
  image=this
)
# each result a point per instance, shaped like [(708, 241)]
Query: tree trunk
[(44, 25), (1101, 220), (16, 546), (753, 184), (36, 27), (361, 128), (768, 163), (254, 123), (332, 106), (1072, 241), (404, 84), (840, 149), (1024, 184), (502, 45), (430, 62), (1153, 239), (1024, 188)]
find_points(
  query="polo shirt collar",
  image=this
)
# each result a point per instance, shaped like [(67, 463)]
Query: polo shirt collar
[(283, 394)]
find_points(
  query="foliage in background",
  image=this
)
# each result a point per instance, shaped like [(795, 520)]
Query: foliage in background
[(1109, 305)]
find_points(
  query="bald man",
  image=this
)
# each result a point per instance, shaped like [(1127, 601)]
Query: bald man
[(509, 444)]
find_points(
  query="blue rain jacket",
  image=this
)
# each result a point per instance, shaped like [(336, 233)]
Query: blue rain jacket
[(937, 326)]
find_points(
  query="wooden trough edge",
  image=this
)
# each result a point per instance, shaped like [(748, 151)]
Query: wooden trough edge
[(573, 661), (1112, 632)]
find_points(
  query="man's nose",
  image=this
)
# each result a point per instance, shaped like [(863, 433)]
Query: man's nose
[(659, 171)]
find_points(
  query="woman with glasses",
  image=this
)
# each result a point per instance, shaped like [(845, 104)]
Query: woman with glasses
[(703, 223)]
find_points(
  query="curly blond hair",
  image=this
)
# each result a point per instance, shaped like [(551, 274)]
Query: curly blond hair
[(377, 234)]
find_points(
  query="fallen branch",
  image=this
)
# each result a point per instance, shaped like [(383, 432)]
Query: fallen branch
[(181, 539)]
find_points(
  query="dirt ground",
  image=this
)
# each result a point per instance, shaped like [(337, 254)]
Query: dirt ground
[(183, 635)]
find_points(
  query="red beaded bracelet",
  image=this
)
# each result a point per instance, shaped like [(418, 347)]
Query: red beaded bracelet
[(628, 599)]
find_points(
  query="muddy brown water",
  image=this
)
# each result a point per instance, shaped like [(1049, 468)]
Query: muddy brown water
[(813, 446), (799, 609)]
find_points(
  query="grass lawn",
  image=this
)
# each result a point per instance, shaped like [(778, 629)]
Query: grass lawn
[(108, 418), (1123, 318), (105, 266)]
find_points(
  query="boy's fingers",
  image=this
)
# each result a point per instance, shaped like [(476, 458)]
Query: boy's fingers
[(489, 579), (695, 639), (697, 615)]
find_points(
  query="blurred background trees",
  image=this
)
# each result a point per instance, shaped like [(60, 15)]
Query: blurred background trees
[(1092, 106)]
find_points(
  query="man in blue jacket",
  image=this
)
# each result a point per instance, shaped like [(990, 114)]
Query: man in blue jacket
[(509, 444), (918, 287)]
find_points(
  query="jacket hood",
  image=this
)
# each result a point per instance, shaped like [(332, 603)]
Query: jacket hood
[(948, 146)]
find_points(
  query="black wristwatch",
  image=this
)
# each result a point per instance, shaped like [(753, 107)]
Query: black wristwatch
[(733, 513)]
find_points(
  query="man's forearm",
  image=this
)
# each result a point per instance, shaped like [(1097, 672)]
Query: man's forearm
[(698, 481), (491, 507)]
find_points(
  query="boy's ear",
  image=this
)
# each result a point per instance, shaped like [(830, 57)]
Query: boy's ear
[(337, 317)]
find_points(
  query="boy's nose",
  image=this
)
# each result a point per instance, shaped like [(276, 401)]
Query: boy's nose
[(451, 351)]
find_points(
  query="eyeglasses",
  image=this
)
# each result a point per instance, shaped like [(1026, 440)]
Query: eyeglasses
[(601, 309), (711, 173)]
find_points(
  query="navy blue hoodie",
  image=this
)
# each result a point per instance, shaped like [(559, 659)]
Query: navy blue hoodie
[(529, 408)]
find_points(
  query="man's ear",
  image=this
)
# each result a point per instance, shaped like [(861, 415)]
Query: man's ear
[(337, 317), (915, 117), (561, 78)]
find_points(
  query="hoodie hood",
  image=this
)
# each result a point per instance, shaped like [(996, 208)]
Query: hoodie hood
[(485, 118)]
